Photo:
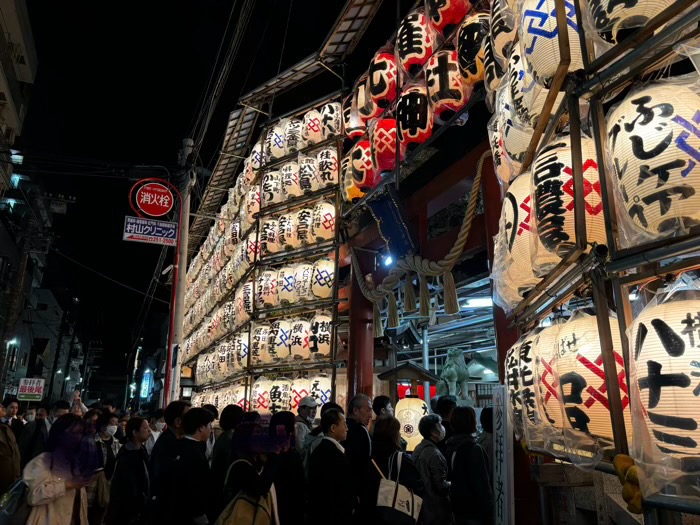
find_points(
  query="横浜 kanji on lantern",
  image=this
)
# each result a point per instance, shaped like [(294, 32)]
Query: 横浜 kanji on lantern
[(299, 339), (409, 412), (320, 344), (414, 117)]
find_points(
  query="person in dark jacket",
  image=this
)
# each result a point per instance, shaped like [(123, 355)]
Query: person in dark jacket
[(289, 479), (470, 490), (231, 417), (32, 441), (445, 406), (9, 455), (10, 419), (130, 487), (358, 445), (433, 470), (331, 493)]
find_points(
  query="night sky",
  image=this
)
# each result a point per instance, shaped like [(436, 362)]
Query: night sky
[(119, 84)]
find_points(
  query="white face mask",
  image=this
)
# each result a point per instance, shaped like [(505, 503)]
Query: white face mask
[(160, 425), (111, 429), (30, 418)]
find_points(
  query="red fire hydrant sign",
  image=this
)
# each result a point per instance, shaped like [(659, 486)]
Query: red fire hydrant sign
[(154, 199)]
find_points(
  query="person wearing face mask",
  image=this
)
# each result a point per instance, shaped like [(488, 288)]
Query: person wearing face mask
[(35, 434), (433, 470), (108, 447), (156, 423), (304, 421)]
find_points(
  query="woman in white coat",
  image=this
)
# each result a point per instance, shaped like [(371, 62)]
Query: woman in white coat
[(57, 478)]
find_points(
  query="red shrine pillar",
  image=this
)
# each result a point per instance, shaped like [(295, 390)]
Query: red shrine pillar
[(361, 343)]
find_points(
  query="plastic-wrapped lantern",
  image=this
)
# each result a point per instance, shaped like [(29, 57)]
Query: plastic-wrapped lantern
[(257, 156), (331, 120), (292, 136), (280, 395), (303, 279), (269, 237), (300, 389), (259, 344), (445, 15), (287, 285), (363, 172), (653, 142), (321, 332), (514, 134), (261, 396), (290, 180), (493, 69), (366, 107), (280, 335), (311, 128), (540, 38), (553, 181), (241, 343), (287, 231), (383, 138), (266, 289), (274, 143), (445, 86), (382, 79), (244, 301), (582, 378), (512, 368), (304, 219), (323, 224), (252, 249), (252, 205), (299, 339), (414, 42), (528, 398), (665, 373), (414, 117), (353, 125), (323, 279), (351, 193), (232, 237), (614, 21), (409, 412), (238, 397), (470, 47), (502, 34), (548, 395), (321, 388), (229, 315), (309, 180), (327, 164), (271, 188)]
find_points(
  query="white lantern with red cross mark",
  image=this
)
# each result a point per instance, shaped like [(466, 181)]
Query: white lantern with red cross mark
[(323, 223), (266, 289), (251, 253), (274, 143), (259, 343), (470, 47), (382, 79), (383, 143), (299, 339), (665, 347), (309, 179), (252, 205), (446, 88), (350, 192), (414, 117), (280, 395), (327, 165), (311, 132), (280, 339), (363, 173), (271, 188), (290, 180), (553, 184), (323, 278), (303, 279), (414, 42), (260, 396), (239, 398), (320, 341), (287, 285), (287, 231), (409, 412), (244, 301), (269, 237), (367, 109), (353, 125), (331, 120), (304, 220), (293, 141), (654, 145), (548, 394), (241, 343), (446, 15), (300, 389)]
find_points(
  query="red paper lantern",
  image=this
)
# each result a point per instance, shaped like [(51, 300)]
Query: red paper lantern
[(414, 117), (414, 42), (366, 107), (471, 47), (383, 137), (445, 15), (363, 173), (445, 86), (383, 74), (353, 125)]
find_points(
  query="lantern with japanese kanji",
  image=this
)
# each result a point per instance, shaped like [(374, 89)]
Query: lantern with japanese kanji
[(414, 117), (303, 275), (241, 343), (309, 180), (527, 383), (311, 132), (280, 395), (300, 389), (553, 183), (409, 412), (299, 339), (548, 395), (260, 396), (501, 33), (292, 136), (323, 278), (251, 252), (323, 224), (666, 374), (331, 120), (363, 173), (351, 193), (493, 69), (653, 141), (269, 237), (471, 47), (353, 125), (304, 220), (366, 107), (287, 285), (274, 143), (259, 341), (614, 21), (244, 301), (327, 166), (320, 344), (383, 139), (271, 188), (445, 15), (232, 237), (512, 368), (252, 205), (280, 334), (229, 315), (287, 231), (321, 388), (290, 180), (382, 79), (238, 397), (414, 42), (266, 289), (257, 156), (446, 89)]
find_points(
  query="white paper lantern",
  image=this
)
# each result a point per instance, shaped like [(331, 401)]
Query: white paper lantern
[(303, 275), (287, 231), (229, 309), (323, 226), (409, 412), (238, 397), (269, 237), (321, 389), (351, 193), (299, 339), (252, 250), (252, 205), (331, 120), (241, 343), (553, 182), (654, 142), (311, 131), (260, 396), (280, 339), (300, 389), (666, 350), (290, 180), (501, 33), (266, 290), (287, 285), (540, 40), (323, 278), (547, 392), (320, 341), (280, 395), (615, 20), (309, 179), (446, 88), (272, 188), (259, 345), (244, 302), (512, 369), (257, 156), (274, 143), (292, 136), (232, 237), (327, 165), (304, 222)]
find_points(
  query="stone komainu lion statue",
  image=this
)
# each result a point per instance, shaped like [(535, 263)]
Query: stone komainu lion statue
[(455, 376)]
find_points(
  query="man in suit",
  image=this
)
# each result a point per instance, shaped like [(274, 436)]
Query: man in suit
[(330, 484), (358, 445), (9, 454), (32, 440), (11, 405)]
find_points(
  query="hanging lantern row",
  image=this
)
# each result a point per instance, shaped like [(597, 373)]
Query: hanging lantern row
[(295, 229), (281, 394), (234, 394), (288, 285)]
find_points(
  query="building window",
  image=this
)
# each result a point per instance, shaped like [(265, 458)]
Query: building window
[(23, 361), (12, 360)]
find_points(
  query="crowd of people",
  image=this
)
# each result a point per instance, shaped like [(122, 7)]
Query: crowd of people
[(194, 466)]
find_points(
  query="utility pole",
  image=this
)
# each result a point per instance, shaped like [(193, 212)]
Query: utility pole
[(66, 371), (57, 353)]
